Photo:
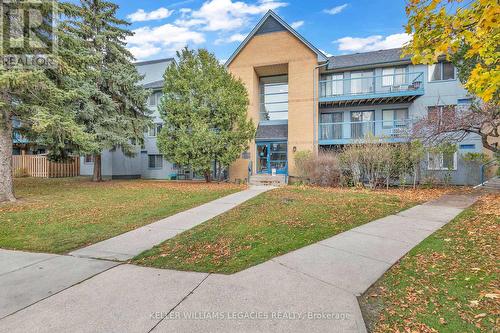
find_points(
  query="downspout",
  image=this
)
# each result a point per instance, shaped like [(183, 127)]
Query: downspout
[(315, 106)]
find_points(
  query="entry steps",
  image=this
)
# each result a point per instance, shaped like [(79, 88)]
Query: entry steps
[(268, 180)]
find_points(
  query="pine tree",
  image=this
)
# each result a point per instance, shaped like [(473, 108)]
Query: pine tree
[(204, 109), (115, 110), (42, 100)]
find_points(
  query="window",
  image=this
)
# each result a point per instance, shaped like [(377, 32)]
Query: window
[(442, 161), (154, 130), (154, 98), (362, 82), (441, 71), (468, 146), (441, 114), (394, 118), (362, 124), (394, 76), (332, 85), (155, 161), (274, 98), (89, 159), (331, 126)]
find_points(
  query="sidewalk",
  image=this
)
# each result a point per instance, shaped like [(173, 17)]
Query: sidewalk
[(311, 289), (132, 243)]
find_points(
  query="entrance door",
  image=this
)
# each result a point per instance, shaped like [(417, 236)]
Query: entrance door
[(272, 155)]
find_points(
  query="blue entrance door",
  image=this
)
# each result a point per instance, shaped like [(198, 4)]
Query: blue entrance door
[(272, 155)]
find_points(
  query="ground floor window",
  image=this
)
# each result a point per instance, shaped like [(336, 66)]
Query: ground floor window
[(89, 158), (442, 161), (155, 161)]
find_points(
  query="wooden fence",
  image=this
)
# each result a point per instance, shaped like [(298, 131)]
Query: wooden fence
[(40, 166)]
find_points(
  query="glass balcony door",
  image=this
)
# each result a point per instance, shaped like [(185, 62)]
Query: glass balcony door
[(362, 124), (331, 126), (362, 82)]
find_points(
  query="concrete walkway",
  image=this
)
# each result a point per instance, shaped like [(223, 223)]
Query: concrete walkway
[(312, 289), (132, 243)]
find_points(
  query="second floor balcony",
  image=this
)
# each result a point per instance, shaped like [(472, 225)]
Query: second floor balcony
[(361, 88), (331, 133)]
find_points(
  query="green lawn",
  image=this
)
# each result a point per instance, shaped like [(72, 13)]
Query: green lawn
[(58, 215), (269, 225), (448, 283)]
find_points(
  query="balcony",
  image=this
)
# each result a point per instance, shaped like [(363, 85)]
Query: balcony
[(18, 138), (348, 132), (381, 89)]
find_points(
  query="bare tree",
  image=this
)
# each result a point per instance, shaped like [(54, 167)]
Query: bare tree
[(453, 124)]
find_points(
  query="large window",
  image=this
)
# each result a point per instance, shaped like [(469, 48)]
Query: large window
[(441, 114), (441, 71), (274, 98), (154, 130), (394, 76), (155, 161), (394, 118), (155, 98), (442, 161), (362, 82), (332, 85), (331, 126), (362, 124), (89, 159)]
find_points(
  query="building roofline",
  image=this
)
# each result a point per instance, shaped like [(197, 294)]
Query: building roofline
[(321, 55), (155, 61)]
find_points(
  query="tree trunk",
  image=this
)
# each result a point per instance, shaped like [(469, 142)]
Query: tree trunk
[(97, 176), (207, 175), (6, 185), (415, 170)]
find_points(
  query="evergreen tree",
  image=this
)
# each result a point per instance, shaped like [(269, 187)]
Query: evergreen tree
[(114, 107), (42, 100), (204, 109)]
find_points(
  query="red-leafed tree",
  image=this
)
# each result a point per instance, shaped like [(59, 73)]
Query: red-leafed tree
[(452, 123)]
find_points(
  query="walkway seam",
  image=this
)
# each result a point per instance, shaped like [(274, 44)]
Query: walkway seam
[(179, 303), (356, 254), (313, 277), (60, 291), (34, 263)]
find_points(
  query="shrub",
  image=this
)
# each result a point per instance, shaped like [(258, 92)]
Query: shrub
[(322, 170)]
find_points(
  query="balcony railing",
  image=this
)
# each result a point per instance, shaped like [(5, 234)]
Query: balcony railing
[(404, 84), (18, 138), (342, 132)]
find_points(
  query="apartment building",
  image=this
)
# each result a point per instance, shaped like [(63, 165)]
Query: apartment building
[(148, 162), (300, 99)]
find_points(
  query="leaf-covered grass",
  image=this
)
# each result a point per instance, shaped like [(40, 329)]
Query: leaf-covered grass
[(58, 215), (272, 224), (448, 283)]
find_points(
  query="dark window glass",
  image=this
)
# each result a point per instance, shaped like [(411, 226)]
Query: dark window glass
[(155, 161), (448, 71)]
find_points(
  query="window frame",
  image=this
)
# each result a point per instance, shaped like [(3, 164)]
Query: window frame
[(91, 161), (263, 104), (155, 129), (155, 97), (155, 167), (441, 72), (441, 161), (393, 75), (393, 120)]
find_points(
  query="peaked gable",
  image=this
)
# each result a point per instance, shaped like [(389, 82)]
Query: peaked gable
[(270, 25), (271, 22)]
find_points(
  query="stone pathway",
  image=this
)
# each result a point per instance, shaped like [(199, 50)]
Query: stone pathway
[(312, 289), (132, 243)]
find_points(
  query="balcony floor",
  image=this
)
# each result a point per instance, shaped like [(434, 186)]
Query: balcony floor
[(371, 98)]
